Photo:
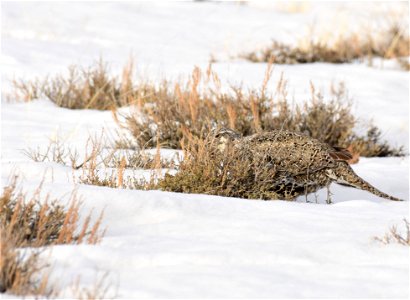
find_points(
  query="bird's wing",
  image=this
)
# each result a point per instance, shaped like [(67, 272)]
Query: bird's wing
[(339, 153)]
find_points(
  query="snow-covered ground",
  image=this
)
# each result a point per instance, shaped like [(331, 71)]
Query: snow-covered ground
[(176, 245)]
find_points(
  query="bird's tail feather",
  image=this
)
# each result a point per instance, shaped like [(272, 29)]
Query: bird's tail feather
[(346, 176)]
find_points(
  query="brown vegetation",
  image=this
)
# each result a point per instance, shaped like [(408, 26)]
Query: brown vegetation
[(35, 221), (82, 88), (18, 269), (163, 112), (99, 156), (175, 110), (392, 42), (393, 236)]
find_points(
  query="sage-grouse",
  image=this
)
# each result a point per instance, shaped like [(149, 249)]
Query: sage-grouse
[(300, 164)]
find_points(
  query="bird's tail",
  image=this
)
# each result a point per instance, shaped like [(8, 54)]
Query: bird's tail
[(345, 175)]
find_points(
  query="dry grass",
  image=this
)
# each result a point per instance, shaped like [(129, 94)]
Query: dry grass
[(92, 174), (99, 151), (392, 42), (27, 90), (163, 112), (171, 111), (18, 269), (101, 155), (184, 106), (372, 145), (56, 151), (82, 88), (35, 221), (394, 236)]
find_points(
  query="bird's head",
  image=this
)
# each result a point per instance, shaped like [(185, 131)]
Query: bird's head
[(224, 136)]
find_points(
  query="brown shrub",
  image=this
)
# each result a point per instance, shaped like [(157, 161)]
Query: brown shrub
[(23, 272), (56, 152), (163, 112), (171, 111), (372, 145), (82, 88), (18, 268), (119, 152), (92, 175), (96, 159), (392, 42), (35, 222), (27, 90)]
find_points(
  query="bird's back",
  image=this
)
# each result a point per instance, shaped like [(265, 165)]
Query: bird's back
[(289, 151)]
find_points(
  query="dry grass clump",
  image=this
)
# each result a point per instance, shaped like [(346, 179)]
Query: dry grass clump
[(18, 269), (332, 121), (98, 157), (133, 156), (171, 109), (392, 42), (35, 222), (208, 170), (28, 90), (163, 117), (372, 145), (93, 175), (393, 236), (82, 88), (99, 152), (56, 151)]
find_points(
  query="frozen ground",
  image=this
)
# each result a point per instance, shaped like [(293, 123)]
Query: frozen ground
[(175, 245)]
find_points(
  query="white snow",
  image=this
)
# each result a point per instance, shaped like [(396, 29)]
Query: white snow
[(163, 245)]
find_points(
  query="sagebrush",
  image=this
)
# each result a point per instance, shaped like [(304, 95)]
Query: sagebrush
[(363, 45), (36, 221), (104, 162), (161, 113), (82, 88), (202, 105)]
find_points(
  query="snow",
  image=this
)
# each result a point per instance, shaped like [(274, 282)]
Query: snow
[(165, 245)]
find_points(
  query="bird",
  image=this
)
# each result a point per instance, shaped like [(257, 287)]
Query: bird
[(300, 164)]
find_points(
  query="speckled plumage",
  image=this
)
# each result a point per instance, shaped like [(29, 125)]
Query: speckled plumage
[(299, 164)]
